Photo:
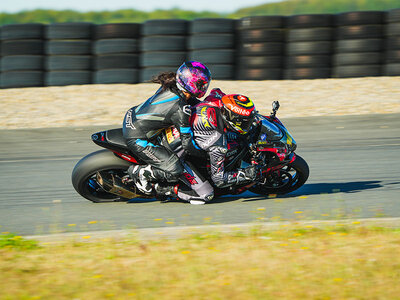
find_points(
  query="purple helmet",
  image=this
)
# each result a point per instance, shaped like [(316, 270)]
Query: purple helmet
[(193, 77)]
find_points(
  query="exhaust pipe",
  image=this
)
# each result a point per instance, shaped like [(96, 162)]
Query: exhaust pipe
[(114, 185)]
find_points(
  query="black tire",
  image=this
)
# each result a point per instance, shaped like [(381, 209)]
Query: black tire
[(162, 58), (22, 31), (113, 46), (212, 25), (259, 22), (213, 56), (22, 62), (77, 30), (393, 16), (117, 31), (392, 29), (222, 71), (61, 78), (307, 48), (22, 47), (211, 41), (19, 79), (359, 18), (258, 74), (308, 61), (356, 71), (391, 70), (302, 171), (359, 32), (343, 59), (261, 49), (257, 62), (146, 74), (116, 76), (392, 56), (310, 34), (87, 167), (311, 20), (307, 73), (165, 27), (116, 61), (392, 43), (359, 45), (68, 62), (68, 47), (163, 43), (261, 35)]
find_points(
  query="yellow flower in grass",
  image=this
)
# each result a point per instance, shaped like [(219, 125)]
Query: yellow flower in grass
[(298, 212), (71, 225), (337, 279), (160, 219), (185, 252), (86, 237), (92, 222)]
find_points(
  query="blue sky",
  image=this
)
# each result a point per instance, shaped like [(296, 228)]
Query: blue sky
[(146, 5)]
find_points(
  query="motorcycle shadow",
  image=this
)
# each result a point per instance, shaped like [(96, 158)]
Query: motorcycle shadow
[(333, 188)]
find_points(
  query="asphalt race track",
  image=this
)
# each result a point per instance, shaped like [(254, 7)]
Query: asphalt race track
[(354, 172)]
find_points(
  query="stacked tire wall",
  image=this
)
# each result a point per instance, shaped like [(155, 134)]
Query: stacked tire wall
[(350, 44), (68, 49), (212, 41), (308, 46), (22, 49), (115, 52), (359, 44), (261, 47), (391, 65), (163, 47)]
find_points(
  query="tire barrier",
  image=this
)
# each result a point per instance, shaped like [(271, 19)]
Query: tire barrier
[(391, 63), (359, 44), (350, 44), (115, 53), (68, 49), (212, 41), (308, 46), (260, 49), (22, 58), (163, 47)]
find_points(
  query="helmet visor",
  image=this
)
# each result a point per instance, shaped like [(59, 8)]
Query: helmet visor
[(240, 123)]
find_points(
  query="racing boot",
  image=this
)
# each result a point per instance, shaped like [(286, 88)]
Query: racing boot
[(142, 177)]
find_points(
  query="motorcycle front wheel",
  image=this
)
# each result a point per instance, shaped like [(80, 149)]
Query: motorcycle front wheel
[(84, 175), (285, 180)]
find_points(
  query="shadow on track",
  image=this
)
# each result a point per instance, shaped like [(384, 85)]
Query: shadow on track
[(306, 190)]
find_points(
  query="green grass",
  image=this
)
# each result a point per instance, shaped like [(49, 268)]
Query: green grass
[(295, 262)]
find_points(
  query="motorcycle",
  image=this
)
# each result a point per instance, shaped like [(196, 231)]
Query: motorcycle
[(101, 176)]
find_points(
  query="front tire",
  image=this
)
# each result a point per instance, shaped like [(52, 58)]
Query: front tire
[(287, 180), (84, 173)]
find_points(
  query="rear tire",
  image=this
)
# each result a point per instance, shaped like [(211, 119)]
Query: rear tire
[(299, 177), (85, 170)]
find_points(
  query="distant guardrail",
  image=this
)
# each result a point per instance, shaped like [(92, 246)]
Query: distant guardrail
[(351, 44)]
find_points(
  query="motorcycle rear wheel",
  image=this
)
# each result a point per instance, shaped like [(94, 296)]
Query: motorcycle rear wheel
[(293, 177), (84, 175)]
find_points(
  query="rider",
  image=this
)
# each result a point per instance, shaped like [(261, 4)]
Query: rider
[(169, 106), (213, 119)]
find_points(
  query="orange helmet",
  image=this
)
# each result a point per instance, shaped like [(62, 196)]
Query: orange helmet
[(238, 111)]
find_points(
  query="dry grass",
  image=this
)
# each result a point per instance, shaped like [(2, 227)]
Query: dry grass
[(299, 263), (107, 104)]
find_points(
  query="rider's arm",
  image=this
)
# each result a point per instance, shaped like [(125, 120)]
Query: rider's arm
[(180, 119)]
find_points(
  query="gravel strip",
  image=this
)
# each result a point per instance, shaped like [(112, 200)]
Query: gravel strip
[(106, 104)]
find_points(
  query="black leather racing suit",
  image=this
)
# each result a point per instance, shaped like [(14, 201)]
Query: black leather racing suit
[(144, 122)]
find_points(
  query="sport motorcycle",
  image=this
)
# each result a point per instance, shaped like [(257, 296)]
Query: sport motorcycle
[(102, 176)]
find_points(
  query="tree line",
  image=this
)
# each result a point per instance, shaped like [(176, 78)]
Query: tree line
[(287, 7)]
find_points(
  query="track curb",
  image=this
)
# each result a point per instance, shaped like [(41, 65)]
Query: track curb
[(185, 231)]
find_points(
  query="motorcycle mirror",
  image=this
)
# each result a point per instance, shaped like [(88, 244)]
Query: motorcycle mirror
[(275, 106)]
